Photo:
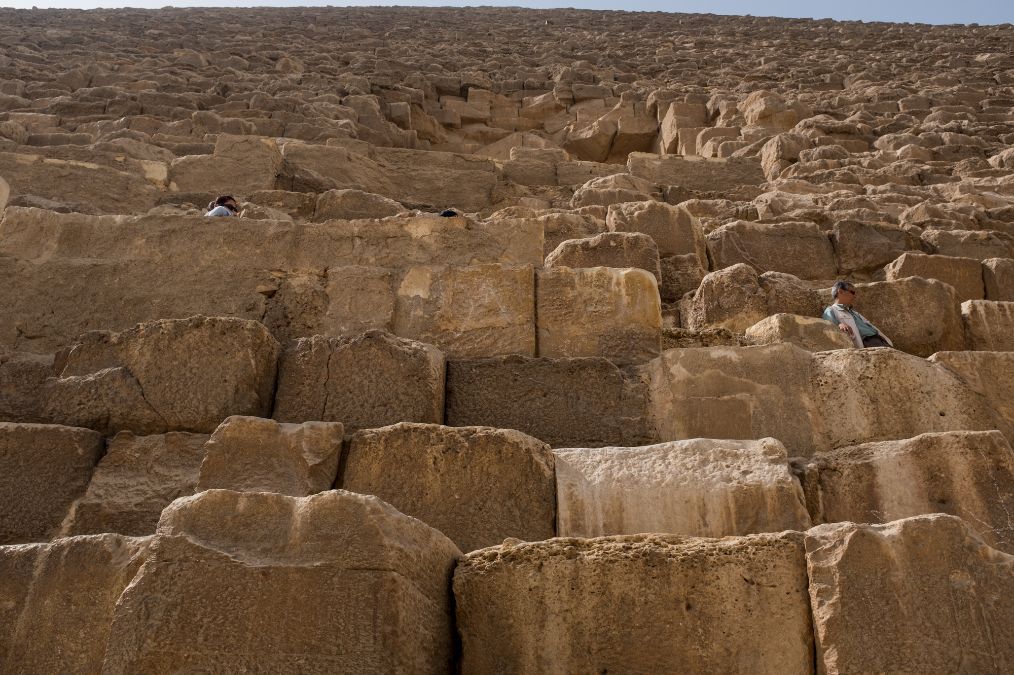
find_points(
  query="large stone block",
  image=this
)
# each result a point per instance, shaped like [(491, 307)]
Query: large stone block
[(861, 246), (920, 316), (609, 249), (978, 244), (675, 232), (734, 392), (57, 601), (963, 473), (598, 311), (169, 375), (923, 595), (636, 604), (137, 478), (988, 374), (469, 311), (989, 326), (477, 485), (43, 469), (963, 274), (699, 487), (578, 402), (729, 298), (363, 381), (22, 377), (251, 454), (256, 581), (998, 275), (868, 395), (240, 165), (800, 249), (810, 333)]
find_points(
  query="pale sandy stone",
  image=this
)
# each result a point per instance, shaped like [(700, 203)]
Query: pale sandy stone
[(609, 249), (810, 333), (354, 585), (796, 248), (636, 603), (965, 275), (673, 229), (137, 478), (57, 601), (477, 485), (729, 298), (250, 454), (43, 469), (924, 594), (699, 487), (989, 325), (963, 473), (598, 311), (998, 275), (988, 374)]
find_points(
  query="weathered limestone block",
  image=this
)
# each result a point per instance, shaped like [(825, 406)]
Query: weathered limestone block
[(924, 594), (861, 246), (672, 228), (469, 311), (561, 227), (612, 189), (810, 333), (355, 204), (781, 152), (609, 249), (681, 274), (169, 375), (598, 311), (729, 298), (5, 193), (22, 377), (734, 392), (43, 469), (577, 402), (363, 588), (57, 601), (137, 478), (964, 473), (787, 294), (592, 142), (989, 374), (477, 485), (989, 326), (364, 381), (699, 487), (998, 275), (920, 316), (240, 164), (636, 604), (965, 275), (251, 454), (800, 249), (882, 394), (978, 244)]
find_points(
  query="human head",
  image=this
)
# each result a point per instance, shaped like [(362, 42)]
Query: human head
[(845, 289), (227, 201)]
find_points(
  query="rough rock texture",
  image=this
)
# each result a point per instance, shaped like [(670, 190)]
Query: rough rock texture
[(920, 316), (951, 588), (800, 249), (699, 487), (672, 228), (965, 275), (964, 473), (170, 375), (998, 276), (728, 298), (43, 469), (251, 454), (477, 485), (598, 311), (57, 601), (540, 607), (354, 586), (22, 377), (363, 381), (579, 402), (811, 333), (989, 326), (137, 478), (609, 249), (987, 374)]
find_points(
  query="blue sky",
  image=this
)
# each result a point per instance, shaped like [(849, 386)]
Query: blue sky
[(924, 11)]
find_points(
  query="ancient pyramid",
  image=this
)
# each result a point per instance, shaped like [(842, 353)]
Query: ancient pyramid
[(514, 361)]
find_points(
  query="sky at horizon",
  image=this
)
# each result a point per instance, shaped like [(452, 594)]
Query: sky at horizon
[(926, 11)]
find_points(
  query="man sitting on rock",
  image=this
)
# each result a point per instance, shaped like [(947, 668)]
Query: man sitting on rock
[(851, 322), (223, 206)]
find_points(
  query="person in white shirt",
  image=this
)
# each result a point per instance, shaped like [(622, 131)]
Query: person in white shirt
[(223, 206), (849, 321)]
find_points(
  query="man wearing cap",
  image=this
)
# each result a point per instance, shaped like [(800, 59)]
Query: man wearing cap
[(851, 322)]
